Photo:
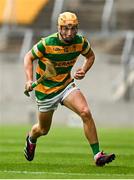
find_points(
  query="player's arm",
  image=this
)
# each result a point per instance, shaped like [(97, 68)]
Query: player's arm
[(89, 55), (28, 68), (35, 53), (89, 60)]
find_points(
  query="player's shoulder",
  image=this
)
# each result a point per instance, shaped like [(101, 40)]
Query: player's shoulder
[(80, 38), (49, 40)]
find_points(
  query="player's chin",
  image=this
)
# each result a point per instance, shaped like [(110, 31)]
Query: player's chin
[(78, 78), (68, 39)]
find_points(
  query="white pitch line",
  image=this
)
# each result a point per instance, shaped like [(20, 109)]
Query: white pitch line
[(62, 173)]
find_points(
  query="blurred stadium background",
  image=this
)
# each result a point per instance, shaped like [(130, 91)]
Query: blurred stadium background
[(109, 86)]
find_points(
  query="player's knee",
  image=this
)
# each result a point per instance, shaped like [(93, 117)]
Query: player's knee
[(85, 114), (44, 131)]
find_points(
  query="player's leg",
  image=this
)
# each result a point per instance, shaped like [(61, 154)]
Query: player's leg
[(43, 125), (39, 129), (77, 103)]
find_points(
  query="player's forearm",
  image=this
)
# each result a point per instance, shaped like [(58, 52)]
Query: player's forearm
[(88, 62), (28, 67)]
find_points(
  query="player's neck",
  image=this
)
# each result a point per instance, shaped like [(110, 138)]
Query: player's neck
[(61, 39)]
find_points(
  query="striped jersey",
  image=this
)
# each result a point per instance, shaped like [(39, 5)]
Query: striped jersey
[(63, 57)]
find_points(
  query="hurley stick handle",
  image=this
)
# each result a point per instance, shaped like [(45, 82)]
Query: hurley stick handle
[(49, 72), (34, 84)]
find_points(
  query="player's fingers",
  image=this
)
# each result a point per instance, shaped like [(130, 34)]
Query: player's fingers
[(28, 86), (79, 76)]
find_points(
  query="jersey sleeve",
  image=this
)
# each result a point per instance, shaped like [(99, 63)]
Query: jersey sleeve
[(38, 49), (86, 47)]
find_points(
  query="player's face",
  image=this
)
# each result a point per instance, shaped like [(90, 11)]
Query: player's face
[(68, 32)]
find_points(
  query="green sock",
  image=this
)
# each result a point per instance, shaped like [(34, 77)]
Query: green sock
[(95, 148)]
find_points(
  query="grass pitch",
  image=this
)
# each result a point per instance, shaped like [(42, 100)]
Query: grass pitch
[(65, 154)]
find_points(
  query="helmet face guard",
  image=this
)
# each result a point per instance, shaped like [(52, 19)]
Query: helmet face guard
[(68, 26), (68, 32)]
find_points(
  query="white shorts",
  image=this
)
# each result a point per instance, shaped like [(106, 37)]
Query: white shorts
[(52, 104)]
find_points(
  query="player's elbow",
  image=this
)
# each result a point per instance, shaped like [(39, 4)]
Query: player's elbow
[(91, 57), (28, 57)]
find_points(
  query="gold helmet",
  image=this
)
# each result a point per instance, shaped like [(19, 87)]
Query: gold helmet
[(67, 18)]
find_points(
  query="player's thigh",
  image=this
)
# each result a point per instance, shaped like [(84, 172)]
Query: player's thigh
[(45, 119), (76, 102)]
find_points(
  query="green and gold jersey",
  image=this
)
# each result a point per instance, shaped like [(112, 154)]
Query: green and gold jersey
[(63, 57)]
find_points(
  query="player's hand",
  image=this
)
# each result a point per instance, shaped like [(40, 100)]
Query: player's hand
[(28, 86), (79, 74)]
